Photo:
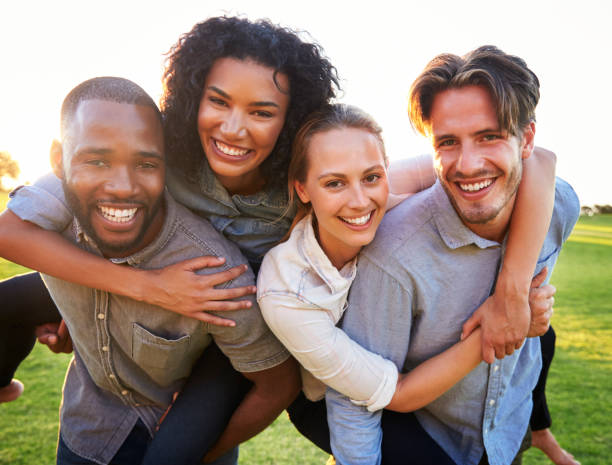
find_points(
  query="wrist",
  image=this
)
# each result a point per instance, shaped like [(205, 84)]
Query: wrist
[(513, 286)]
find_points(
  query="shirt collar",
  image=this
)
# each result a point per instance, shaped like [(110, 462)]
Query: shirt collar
[(336, 280), (151, 249), (275, 197), (453, 232)]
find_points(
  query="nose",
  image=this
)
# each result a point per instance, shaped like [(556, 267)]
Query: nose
[(358, 199), (233, 126), (121, 183), (470, 161)]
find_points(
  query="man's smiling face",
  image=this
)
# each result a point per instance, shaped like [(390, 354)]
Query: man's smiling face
[(113, 171), (478, 164)]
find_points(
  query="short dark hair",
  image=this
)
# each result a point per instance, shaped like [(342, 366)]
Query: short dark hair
[(113, 89), (514, 88), (312, 81)]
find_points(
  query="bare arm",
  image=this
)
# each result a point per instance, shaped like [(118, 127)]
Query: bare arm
[(505, 323), (409, 176), (274, 389), (176, 287)]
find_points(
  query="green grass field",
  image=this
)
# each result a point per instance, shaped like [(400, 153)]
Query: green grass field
[(579, 384)]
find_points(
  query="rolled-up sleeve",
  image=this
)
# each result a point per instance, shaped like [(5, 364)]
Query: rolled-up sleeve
[(323, 349), (42, 203)]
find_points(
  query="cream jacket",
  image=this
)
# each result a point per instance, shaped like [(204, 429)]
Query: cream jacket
[(302, 297)]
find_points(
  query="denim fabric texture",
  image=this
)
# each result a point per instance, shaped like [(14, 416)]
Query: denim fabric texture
[(256, 222), (417, 283)]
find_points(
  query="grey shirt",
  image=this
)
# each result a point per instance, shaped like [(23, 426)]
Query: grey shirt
[(130, 357), (417, 283)]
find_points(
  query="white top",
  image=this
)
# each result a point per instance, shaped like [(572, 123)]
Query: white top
[(302, 296)]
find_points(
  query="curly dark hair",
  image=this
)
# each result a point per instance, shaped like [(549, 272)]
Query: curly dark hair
[(312, 78)]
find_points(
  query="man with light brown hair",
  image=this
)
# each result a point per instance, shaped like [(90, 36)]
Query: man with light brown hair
[(435, 258)]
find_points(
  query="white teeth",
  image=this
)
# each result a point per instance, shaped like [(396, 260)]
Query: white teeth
[(118, 215), (358, 221), (476, 186), (228, 150)]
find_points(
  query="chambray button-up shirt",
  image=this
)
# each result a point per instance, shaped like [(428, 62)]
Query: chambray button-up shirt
[(255, 222), (130, 357), (417, 283)]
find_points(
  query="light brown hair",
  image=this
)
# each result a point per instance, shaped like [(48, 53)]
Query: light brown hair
[(514, 88)]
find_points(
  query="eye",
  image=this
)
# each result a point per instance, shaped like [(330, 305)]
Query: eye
[(217, 101), (447, 143), (97, 162), (372, 178), (334, 184), (147, 165), (263, 114), (490, 137)]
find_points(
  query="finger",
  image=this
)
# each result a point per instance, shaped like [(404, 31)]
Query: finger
[(510, 347), (539, 278), (488, 354), (205, 261), (231, 293), (213, 319), (226, 305), (225, 276), (470, 325), (62, 330), (500, 351)]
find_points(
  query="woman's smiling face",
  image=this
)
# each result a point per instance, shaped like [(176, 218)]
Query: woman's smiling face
[(241, 114), (347, 187)]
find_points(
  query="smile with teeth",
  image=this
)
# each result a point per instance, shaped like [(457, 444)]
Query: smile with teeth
[(230, 150), (474, 187), (118, 215), (358, 221)]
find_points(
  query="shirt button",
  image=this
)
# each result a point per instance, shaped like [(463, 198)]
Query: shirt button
[(496, 367), (124, 392), (111, 376), (492, 402), (105, 348), (101, 316)]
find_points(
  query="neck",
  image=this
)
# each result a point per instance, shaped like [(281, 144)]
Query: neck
[(247, 184), (338, 254)]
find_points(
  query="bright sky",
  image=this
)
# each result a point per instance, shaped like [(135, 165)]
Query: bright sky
[(378, 48)]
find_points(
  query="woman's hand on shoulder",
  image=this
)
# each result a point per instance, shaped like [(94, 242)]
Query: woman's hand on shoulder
[(180, 289)]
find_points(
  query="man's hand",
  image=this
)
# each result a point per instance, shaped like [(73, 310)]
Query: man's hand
[(541, 301), (55, 336), (505, 320)]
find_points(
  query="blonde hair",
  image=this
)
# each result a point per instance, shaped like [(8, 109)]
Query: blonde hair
[(335, 116)]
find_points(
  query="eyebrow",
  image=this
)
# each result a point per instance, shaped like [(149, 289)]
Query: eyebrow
[(342, 175), (477, 133), (104, 151), (262, 103)]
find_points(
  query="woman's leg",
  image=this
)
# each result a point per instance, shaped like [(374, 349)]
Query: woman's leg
[(405, 441), (200, 413), (25, 304)]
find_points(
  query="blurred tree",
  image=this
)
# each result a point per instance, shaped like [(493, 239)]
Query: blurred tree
[(8, 168)]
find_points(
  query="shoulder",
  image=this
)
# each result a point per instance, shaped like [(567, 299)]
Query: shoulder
[(566, 210), (401, 231)]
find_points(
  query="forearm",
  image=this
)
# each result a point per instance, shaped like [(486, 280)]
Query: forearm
[(48, 252), (328, 353), (434, 377), (411, 175), (529, 223), (269, 396)]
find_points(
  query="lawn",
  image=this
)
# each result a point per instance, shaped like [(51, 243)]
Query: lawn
[(579, 384)]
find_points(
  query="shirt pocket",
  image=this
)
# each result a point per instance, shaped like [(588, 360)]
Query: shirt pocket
[(164, 360)]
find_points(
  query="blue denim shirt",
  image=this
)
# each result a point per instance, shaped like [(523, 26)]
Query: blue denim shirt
[(256, 222), (417, 283)]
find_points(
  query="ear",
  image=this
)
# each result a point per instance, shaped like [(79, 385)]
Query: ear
[(56, 157), (301, 192), (528, 141)]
